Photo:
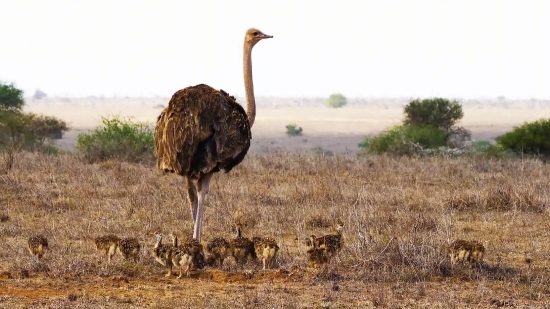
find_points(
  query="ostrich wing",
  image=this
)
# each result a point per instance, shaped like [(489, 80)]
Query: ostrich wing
[(201, 126)]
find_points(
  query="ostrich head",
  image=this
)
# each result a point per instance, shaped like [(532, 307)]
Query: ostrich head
[(312, 239), (238, 227), (254, 36), (158, 236)]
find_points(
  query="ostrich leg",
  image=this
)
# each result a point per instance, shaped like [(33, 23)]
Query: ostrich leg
[(203, 185), (193, 198)]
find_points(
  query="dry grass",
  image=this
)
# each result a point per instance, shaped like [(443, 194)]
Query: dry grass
[(399, 214)]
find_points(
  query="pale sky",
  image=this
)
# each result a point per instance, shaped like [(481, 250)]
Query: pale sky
[(386, 48)]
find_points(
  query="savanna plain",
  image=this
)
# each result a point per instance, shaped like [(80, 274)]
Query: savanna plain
[(399, 214)]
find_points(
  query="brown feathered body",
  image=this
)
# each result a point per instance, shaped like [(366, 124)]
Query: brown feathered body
[(218, 249), (462, 250), (478, 251), (181, 257), (187, 255), (202, 130), (316, 256), (107, 245), (266, 249), (197, 252), (163, 253), (332, 243), (37, 245), (129, 248), (242, 248)]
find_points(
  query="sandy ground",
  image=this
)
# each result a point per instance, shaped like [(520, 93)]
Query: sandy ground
[(337, 130)]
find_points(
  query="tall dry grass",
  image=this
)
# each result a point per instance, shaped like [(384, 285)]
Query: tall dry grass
[(399, 214)]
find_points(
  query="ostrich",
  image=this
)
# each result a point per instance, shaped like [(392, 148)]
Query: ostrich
[(266, 248), (163, 253), (316, 255), (242, 248), (181, 256), (37, 246), (218, 249), (332, 242), (204, 130), (187, 255), (463, 250), (129, 248), (107, 245)]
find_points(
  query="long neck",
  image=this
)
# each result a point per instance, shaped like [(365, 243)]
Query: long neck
[(239, 231), (313, 242), (159, 240), (248, 83)]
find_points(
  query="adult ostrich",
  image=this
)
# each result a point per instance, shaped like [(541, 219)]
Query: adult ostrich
[(204, 130)]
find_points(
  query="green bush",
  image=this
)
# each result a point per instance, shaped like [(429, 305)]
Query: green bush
[(436, 112), (12, 127), (293, 130), (322, 152), (11, 97), (482, 146), (336, 100), (531, 138), (118, 138), (41, 128), (24, 131), (28, 131), (405, 140)]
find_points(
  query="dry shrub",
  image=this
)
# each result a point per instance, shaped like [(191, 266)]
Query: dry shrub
[(71, 268), (327, 273), (248, 219), (317, 221), (111, 165), (19, 272), (8, 230), (498, 198), (127, 269)]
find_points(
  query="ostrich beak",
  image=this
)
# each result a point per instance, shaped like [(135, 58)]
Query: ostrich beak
[(266, 36)]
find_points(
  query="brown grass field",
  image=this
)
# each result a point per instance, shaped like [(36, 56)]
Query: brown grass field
[(399, 215)]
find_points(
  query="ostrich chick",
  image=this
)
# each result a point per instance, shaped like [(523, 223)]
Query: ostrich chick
[(37, 246), (266, 249), (477, 252), (197, 252), (163, 253), (218, 249), (204, 130), (462, 250), (187, 255), (332, 242), (315, 255), (241, 247), (181, 256), (129, 248), (107, 245)]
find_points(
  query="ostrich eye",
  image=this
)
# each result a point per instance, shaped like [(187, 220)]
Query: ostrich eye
[(255, 33)]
